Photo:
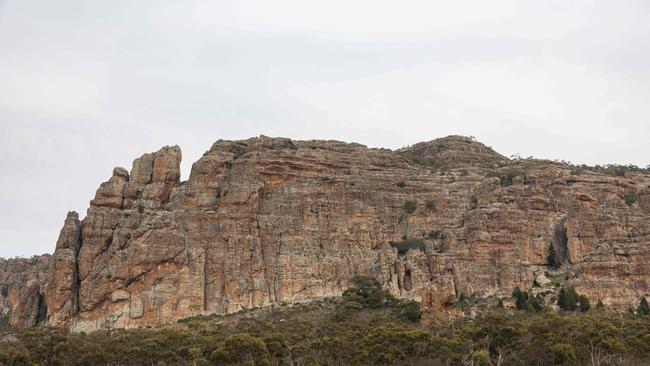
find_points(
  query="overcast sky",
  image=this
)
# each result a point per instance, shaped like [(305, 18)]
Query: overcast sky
[(89, 85)]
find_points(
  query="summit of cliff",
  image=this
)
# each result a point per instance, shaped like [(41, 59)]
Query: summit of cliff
[(453, 151)]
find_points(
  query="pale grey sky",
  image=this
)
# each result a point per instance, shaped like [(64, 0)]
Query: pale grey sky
[(89, 85)]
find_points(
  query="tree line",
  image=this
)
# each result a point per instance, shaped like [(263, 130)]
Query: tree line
[(366, 326)]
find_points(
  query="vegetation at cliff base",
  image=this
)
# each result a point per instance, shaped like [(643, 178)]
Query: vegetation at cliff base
[(366, 326)]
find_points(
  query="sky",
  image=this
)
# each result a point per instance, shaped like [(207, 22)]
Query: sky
[(89, 85)]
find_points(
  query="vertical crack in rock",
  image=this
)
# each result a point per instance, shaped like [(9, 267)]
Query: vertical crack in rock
[(76, 280), (561, 241), (41, 309)]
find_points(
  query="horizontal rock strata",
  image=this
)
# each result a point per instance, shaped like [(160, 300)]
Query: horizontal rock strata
[(271, 220)]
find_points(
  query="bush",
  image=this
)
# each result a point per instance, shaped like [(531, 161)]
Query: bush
[(526, 301), (431, 163), (14, 355), (578, 169), (643, 308), (481, 358), (630, 197), (583, 303), (241, 349), (568, 299), (408, 244), (410, 206), (507, 175), (552, 258), (564, 354), (310, 334), (521, 298), (430, 205), (409, 310), (368, 292)]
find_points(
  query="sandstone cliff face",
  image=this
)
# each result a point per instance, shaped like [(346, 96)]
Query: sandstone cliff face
[(22, 285), (270, 220)]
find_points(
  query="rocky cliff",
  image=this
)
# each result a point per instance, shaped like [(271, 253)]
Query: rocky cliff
[(22, 288), (271, 220)]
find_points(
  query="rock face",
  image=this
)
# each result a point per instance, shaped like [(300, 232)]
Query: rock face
[(22, 288), (270, 220)]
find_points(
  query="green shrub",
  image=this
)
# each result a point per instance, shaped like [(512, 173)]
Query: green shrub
[(630, 197), (409, 310), (643, 308), (578, 169), (583, 303), (521, 298), (430, 205), (552, 258), (431, 163), (568, 299), (526, 301), (507, 175), (241, 349), (563, 354), (410, 206), (366, 291), (14, 355), (481, 358)]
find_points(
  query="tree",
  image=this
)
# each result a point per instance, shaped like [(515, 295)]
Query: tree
[(14, 355), (535, 302), (367, 291), (552, 258), (599, 338), (410, 310), (521, 298), (564, 354), (481, 358), (584, 303), (600, 305), (568, 299), (643, 308), (242, 349), (498, 334)]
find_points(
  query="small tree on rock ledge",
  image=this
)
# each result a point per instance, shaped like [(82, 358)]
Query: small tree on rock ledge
[(643, 308)]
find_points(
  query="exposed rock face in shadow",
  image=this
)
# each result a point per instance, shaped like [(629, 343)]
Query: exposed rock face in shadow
[(271, 220), (561, 241)]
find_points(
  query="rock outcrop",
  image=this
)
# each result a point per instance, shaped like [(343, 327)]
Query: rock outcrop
[(271, 220), (22, 289)]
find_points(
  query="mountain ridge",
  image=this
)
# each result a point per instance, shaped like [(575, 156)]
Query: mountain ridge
[(271, 220)]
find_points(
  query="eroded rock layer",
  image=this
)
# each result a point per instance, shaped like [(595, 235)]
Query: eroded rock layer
[(22, 288), (270, 220)]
